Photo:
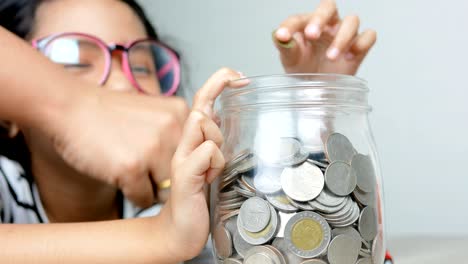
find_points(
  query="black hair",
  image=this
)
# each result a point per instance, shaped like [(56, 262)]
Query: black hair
[(18, 17)]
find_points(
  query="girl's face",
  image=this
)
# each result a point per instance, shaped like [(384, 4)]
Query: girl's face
[(110, 20)]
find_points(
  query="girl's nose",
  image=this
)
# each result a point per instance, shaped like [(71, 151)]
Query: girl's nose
[(118, 80)]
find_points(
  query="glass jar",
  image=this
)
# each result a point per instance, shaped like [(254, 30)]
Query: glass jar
[(302, 183)]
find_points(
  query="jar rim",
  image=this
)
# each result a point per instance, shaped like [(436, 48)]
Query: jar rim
[(298, 90), (349, 81)]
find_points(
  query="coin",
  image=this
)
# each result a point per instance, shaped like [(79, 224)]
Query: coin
[(287, 151), (263, 236), (227, 194), (364, 198), (364, 261), (268, 180), (340, 178), (237, 158), (302, 183), (327, 198), (240, 244), (350, 231), (231, 225), (339, 148), (222, 242), (313, 261), (254, 214), (247, 164), (281, 202), (327, 209), (248, 182), (318, 163), (231, 201), (307, 234), (278, 253), (301, 205), (368, 223), (232, 261), (365, 172), (243, 192), (291, 258), (343, 249), (261, 255)]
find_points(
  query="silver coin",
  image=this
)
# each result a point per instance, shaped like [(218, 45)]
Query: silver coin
[(268, 180), (222, 242), (301, 205), (365, 172), (240, 244), (318, 163), (243, 192), (226, 216), (285, 150), (364, 261), (244, 154), (313, 261), (364, 198), (340, 178), (307, 234), (351, 219), (350, 231), (248, 181), (327, 209), (368, 223), (278, 253), (266, 234), (365, 254), (231, 201), (339, 148), (232, 261), (227, 194), (302, 183), (316, 155), (261, 255), (228, 207), (327, 198), (281, 202), (247, 164), (343, 249), (291, 258), (231, 225), (254, 214), (341, 213)]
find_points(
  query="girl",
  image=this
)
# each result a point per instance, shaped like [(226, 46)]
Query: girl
[(63, 171)]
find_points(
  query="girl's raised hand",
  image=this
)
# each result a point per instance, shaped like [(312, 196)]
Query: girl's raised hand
[(322, 42)]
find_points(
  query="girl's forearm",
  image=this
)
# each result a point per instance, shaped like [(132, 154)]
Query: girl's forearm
[(143, 240), (33, 90)]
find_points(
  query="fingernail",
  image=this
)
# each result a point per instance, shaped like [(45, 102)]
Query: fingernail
[(349, 56), (283, 34), (312, 31), (241, 75), (333, 53)]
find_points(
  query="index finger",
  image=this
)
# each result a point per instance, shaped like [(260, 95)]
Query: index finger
[(205, 97)]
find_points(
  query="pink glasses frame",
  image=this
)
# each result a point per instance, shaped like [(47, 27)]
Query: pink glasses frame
[(172, 64)]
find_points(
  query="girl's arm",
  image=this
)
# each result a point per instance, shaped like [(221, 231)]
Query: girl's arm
[(84, 120), (143, 240)]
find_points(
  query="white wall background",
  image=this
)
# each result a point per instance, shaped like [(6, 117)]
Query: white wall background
[(418, 79)]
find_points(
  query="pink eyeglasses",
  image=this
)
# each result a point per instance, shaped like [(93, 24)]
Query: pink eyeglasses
[(145, 62)]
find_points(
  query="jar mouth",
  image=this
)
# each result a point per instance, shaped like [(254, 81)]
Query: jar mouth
[(302, 90)]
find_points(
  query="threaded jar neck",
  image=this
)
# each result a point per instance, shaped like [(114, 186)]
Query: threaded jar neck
[(273, 92)]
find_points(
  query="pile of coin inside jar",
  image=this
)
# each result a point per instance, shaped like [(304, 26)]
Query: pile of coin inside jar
[(297, 206)]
